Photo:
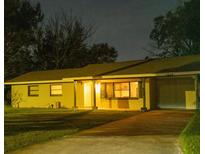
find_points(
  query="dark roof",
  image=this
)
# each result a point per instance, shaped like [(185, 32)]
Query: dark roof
[(163, 65), (175, 64), (100, 69), (89, 70), (46, 75)]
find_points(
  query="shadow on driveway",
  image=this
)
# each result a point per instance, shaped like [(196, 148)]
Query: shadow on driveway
[(158, 122), (154, 132)]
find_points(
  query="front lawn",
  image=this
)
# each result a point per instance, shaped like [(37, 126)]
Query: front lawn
[(24, 127), (190, 137)]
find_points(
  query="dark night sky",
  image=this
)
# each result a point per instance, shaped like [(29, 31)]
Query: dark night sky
[(124, 24)]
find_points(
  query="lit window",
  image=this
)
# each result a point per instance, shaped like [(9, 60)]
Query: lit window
[(103, 95), (56, 90), (135, 89), (33, 90), (121, 90), (109, 90)]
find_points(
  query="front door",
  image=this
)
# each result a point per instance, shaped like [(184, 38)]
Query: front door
[(87, 94)]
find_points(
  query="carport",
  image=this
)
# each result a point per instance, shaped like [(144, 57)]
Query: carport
[(177, 92)]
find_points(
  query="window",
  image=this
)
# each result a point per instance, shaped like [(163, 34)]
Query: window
[(136, 89), (121, 90), (109, 90), (56, 90), (103, 95), (33, 90)]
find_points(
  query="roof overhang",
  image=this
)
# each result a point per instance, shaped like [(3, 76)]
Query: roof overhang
[(151, 75), (49, 81), (78, 78), (35, 82), (106, 77)]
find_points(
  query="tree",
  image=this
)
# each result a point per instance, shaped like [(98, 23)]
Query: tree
[(178, 32), (102, 53), (21, 19), (62, 43)]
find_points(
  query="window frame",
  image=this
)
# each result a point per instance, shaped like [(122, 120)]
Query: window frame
[(121, 90), (106, 95), (29, 90), (113, 90), (55, 89), (103, 94), (139, 90)]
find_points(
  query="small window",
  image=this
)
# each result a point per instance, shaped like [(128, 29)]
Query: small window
[(56, 90), (121, 90), (33, 90)]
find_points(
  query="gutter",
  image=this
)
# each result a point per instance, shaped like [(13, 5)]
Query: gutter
[(64, 80), (151, 75), (36, 82), (105, 77)]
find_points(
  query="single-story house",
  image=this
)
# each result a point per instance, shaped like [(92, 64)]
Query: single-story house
[(131, 85)]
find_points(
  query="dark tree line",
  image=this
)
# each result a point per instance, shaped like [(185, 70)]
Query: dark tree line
[(31, 43), (178, 32), (21, 19)]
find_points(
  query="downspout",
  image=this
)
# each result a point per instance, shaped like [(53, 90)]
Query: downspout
[(144, 108)]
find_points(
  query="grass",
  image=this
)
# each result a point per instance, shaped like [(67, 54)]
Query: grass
[(190, 137), (24, 127)]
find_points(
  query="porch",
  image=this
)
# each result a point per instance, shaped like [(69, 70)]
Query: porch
[(137, 93)]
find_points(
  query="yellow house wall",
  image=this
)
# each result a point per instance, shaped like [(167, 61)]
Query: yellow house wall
[(147, 93), (83, 102), (79, 95), (67, 99), (120, 104), (44, 99)]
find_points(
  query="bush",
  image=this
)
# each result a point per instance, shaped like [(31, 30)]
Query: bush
[(190, 137)]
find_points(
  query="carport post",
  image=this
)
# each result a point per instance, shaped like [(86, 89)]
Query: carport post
[(196, 83), (75, 91), (94, 95), (144, 108)]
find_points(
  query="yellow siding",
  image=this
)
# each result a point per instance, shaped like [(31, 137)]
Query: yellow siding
[(120, 104), (124, 104), (147, 93), (44, 99), (156, 92), (79, 95), (81, 99)]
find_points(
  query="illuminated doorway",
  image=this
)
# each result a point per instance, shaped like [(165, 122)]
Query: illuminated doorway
[(87, 95)]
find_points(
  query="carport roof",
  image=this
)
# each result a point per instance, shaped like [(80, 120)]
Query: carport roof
[(175, 64), (165, 65)]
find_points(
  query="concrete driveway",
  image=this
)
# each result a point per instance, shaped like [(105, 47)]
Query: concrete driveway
[(154, 132)]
